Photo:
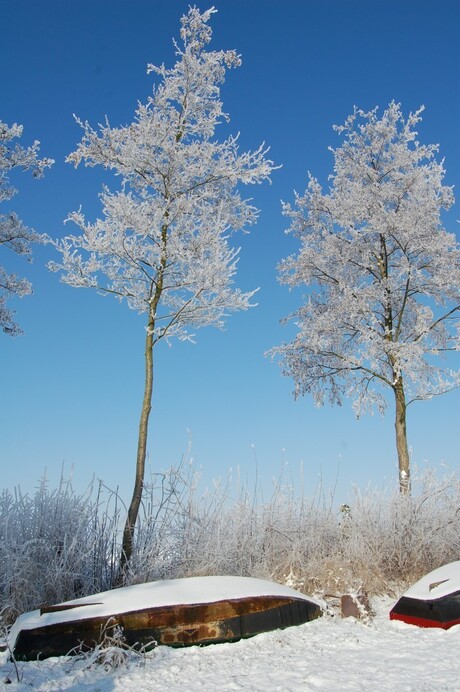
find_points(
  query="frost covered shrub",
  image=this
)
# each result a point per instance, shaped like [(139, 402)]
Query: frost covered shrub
[(54, 545), (382, 542), (167, 518), (405, 537), (57, 545)]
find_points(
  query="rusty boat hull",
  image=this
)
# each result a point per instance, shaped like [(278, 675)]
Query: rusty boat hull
[(225, 619)]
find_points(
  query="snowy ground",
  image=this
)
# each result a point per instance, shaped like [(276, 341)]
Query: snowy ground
[(328, 654)]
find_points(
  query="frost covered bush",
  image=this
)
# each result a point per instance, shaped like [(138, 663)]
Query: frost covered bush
[(382, 542), (404, 537), (56, 544)]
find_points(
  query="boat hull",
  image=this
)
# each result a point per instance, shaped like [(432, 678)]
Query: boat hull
[(433, 601), (176, 625), (440, 612)]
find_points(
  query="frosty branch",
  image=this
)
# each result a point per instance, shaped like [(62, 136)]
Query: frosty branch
[(14, 235)]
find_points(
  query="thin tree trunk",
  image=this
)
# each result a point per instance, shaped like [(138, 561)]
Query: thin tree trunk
[(401, 437), (133, 511)]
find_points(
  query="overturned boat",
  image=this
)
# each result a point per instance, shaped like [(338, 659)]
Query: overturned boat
[(177, 612), (434, 601)]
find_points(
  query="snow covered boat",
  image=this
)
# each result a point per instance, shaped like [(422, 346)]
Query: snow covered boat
[(178, 612), (434, 601)]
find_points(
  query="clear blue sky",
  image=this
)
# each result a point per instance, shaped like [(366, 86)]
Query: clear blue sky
[(72, 386)]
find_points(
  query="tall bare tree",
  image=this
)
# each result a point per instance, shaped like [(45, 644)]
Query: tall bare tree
[(383, 275), (163, 242)]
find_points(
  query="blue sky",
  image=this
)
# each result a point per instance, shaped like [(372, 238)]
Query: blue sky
[(72, 386)]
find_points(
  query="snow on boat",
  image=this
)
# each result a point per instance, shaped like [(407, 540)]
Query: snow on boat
[(434, 601), (177, 612)]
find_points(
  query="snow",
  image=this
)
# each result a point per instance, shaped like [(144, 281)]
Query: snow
[(328, 654), (438, 583), (154, 595)]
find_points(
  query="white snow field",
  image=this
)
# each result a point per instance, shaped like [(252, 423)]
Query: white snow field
[(330, 653)]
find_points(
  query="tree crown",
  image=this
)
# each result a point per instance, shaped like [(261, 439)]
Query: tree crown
[(383, 275), (162, 243)]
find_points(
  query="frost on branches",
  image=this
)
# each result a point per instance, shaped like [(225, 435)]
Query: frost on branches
[(14, 235), (383, 275), (162, 243)]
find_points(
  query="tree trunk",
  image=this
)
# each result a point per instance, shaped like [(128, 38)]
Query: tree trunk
[(401, 437), (133, 511)]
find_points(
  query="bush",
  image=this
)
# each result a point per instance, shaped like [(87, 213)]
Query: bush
[(57, 545)]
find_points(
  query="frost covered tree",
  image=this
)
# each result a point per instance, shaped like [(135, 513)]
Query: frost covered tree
[(383, 275), (14, 235), (162, 244)]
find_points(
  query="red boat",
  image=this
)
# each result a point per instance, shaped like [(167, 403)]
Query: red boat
[(434, 601)]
